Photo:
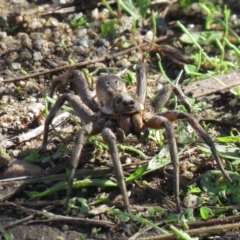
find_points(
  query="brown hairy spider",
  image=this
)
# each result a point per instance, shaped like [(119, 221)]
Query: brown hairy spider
[(117, 114)]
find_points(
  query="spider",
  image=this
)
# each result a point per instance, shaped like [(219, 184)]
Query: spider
[(115, 114)]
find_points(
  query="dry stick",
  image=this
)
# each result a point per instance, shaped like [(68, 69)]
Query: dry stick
[(223, 224), (85, 63), (206, 231), (59, 218), (216, 90), (6, 143), (196, 232), (17, 222), (13, 185)]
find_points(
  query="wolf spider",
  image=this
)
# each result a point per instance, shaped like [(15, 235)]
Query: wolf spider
[(116, 114)]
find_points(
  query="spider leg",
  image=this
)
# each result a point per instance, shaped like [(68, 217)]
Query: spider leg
[(141, 82), (174, 115), (164, 95), (82, 134), (79, 107), (157, 122), (78, 78), (110, 138)]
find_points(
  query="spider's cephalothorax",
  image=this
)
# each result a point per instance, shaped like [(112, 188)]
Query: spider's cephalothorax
[(117, 113)]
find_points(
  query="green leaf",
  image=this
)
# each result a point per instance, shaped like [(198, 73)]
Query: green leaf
[(162, 159), (108, 29), (84, 209), (206, 213), (186, 3), (173, 218), (75, 22), (189, 68), (128, 6), (193, 189), (189, 213), (76, 184), (33, 157), (228, 152), (214, 184), (229, 139), (143, 5), (238, 92), (203, 38)]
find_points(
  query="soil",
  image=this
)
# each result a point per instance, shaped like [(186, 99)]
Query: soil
[(38, 45)]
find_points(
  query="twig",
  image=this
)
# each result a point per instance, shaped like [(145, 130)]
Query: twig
[(141, 231), (199, 231), (216, 90), (18, 185), (84, 63), (15, 223), (59, 218), (228, 124), (6, 143)]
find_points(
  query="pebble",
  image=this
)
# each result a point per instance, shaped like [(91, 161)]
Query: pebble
[(79, 49), (4, 125), (59, 238), (33, 99), (65, 227), (37, 56), (9, 118), (149, 35), (190, 200), (80, 32), (21, 168), (21, 84), (123, 63), (82, 41), (233, 102), (31, 115), (52, 22), (95, 13)]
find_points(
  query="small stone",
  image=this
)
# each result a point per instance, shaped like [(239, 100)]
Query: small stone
[(233, 102), (16, 66), (33, 99), (21, 84), (128, 160), (59, 238), (37, 56), (65, 227), (27, 119), (4, 125), (15, 153), (31, 115), (79, 49), (9, 118), (190, 200), (82, 41), (21, 168), (52, 22), (4, 161), (95, 13), (3, 46), (123, 63), (18, 19), (149, 35)]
